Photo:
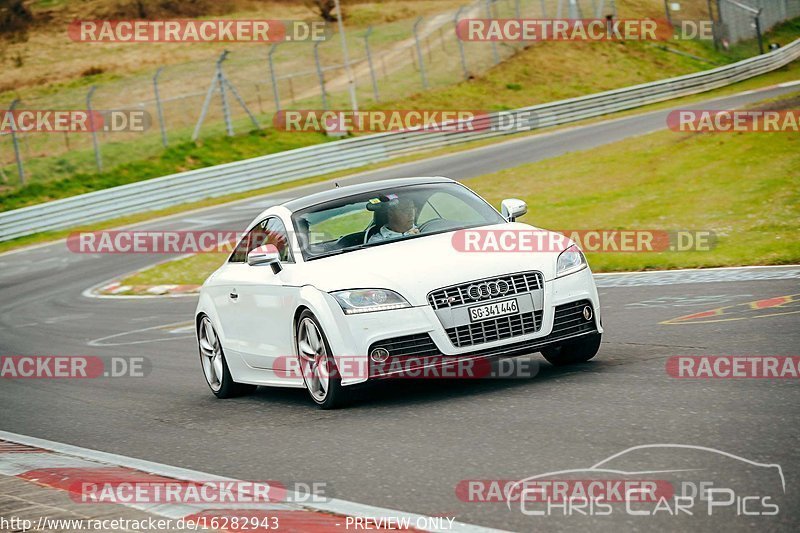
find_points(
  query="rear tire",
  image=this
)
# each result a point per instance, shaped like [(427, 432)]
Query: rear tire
[(317, 365), (573, 352), (215, 367)]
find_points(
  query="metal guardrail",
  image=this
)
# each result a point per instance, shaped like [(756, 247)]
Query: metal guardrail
[(310, 161)]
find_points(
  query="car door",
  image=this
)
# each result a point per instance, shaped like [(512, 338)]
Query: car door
[(224, 291), (265, 301)]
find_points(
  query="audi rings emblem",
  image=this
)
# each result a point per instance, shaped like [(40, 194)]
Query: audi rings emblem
[(488, 289)]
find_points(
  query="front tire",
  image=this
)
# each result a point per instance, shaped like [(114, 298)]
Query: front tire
[(573, 352), (215, 367), (320, 375)]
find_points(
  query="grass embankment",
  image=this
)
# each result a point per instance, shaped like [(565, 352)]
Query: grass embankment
[(788, 73), (745, 187), (544, 72)]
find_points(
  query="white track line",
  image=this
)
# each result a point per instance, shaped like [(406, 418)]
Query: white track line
[(640, 272), (339, 507)]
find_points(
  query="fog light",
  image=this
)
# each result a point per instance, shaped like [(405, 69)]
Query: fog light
[(379, 355), (587, 312)]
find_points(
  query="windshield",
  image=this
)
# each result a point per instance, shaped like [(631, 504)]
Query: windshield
[(387, 215)]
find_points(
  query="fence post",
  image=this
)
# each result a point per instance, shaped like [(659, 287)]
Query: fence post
[(15, 141), (321, 76), (226, 112), (275, 92), (573, 9), (713, 25), (369, 62), (758, 31), (159, 110), (97, 158), (495, 55), (461, 44), (419, 55)]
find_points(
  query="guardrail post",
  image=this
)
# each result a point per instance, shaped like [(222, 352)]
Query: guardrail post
[(369, 62), (15, 141), (419, 55), (159, 110), (275, 93), (461, 44), (495, 55), (97, 157), (321, 76)]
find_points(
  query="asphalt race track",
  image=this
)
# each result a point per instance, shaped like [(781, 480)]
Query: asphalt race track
[(406, 445)]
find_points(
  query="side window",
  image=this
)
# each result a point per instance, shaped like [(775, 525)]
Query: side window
[(269, 231)]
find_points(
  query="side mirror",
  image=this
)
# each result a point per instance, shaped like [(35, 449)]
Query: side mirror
[(265, 255), (513, 208)]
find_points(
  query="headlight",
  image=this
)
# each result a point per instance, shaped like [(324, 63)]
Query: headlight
[(571, 260), (368, 300)]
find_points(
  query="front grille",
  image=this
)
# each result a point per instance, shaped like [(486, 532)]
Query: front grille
[(569, 323), (457, 294), (495, 329), (419, 345), (569, 319)]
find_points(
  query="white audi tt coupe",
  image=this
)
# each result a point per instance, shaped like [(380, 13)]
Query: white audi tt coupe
[(369, 281)]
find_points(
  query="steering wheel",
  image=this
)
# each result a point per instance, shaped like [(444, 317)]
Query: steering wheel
[(434, 224)]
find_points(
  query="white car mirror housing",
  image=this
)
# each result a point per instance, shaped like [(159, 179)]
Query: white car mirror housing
[(513, 208), (265, 255)]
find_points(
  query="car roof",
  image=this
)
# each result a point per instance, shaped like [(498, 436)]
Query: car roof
[(332, 194)]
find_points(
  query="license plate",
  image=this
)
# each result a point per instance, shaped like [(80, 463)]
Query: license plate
[(493, 310)]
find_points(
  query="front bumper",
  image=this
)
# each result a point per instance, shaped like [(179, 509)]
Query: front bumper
[(418, 332)]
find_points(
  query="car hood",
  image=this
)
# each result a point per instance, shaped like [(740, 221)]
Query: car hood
[(417, 266)]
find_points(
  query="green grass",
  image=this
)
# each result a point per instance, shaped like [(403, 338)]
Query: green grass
[(789, 73), (745, 187), (192, 270), (178, 158), (544, 72)]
